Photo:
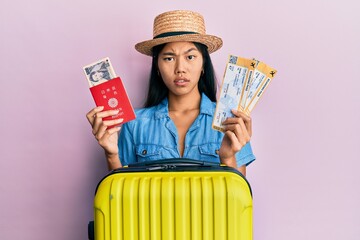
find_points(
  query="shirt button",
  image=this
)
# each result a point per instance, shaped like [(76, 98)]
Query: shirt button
[(144, 152), (217, 151)]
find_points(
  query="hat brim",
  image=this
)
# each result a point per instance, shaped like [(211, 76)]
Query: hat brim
[(213, 43)]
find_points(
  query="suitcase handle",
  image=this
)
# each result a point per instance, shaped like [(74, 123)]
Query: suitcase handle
[(172, 163)]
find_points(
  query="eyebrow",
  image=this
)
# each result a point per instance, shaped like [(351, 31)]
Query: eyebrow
[(187, 51)]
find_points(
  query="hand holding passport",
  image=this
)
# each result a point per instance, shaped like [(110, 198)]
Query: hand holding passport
[(108, 90)]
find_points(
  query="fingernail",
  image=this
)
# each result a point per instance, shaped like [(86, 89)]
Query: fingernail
[(100, 107), (119, 120)]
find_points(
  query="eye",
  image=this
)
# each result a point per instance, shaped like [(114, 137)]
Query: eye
[(168, 59), (191, 57)]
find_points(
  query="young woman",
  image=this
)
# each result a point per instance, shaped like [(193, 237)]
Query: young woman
[(176, 121)]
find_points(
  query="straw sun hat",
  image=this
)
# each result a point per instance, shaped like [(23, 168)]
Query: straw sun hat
[(177, 26)]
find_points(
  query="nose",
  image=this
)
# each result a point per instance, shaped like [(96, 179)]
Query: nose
[(180, 66)]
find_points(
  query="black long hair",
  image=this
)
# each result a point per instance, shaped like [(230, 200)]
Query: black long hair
[(157, 88)]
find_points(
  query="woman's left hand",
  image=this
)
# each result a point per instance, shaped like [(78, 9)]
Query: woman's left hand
[(238, 131)]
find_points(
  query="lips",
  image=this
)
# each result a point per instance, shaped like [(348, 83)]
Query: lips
[(181, 81)]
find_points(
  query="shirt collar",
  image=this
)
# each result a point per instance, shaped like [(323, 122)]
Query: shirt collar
[(206, 107)]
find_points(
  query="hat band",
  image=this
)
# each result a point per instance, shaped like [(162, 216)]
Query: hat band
[(169, 34)]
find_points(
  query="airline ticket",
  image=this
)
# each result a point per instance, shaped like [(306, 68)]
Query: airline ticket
[(243, 84)]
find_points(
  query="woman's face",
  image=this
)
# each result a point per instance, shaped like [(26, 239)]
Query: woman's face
[(97, 76), (180, 65)]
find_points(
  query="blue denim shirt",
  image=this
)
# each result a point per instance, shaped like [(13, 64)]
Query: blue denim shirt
[(153, 136)]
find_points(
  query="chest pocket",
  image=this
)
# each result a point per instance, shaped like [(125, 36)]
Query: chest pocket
[(148, 152), (209, 152)]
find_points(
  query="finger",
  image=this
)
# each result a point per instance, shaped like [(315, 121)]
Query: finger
[(107, 113), (98, 120), (240, 131), (232, 121), (107, 134), (111, 131), (97, 123), (247, 120), (239, 113), (91, 115), (114, 122), (242, 115), (99, 133), (235, 145), (245, 135), (103, 127)]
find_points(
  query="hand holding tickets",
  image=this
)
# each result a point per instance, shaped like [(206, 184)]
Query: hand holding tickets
[(243, 84), (108, 91)]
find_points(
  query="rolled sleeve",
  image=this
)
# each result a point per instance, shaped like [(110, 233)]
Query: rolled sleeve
[(245, 156)]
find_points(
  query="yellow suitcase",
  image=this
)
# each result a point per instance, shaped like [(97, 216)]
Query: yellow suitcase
[(173, 199)]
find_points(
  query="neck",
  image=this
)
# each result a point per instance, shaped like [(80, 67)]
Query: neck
[(184, 103)]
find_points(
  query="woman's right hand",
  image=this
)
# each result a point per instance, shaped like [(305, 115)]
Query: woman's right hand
[(106, 137)]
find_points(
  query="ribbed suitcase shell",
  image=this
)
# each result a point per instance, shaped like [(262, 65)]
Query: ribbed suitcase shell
[(173, 205)]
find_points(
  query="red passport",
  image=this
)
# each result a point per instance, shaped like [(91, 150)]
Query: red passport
[(112, 96)]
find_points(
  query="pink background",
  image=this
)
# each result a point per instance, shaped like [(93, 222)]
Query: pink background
[(306, 127)]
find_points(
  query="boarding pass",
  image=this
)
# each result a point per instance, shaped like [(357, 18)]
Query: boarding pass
[(244, 82)]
